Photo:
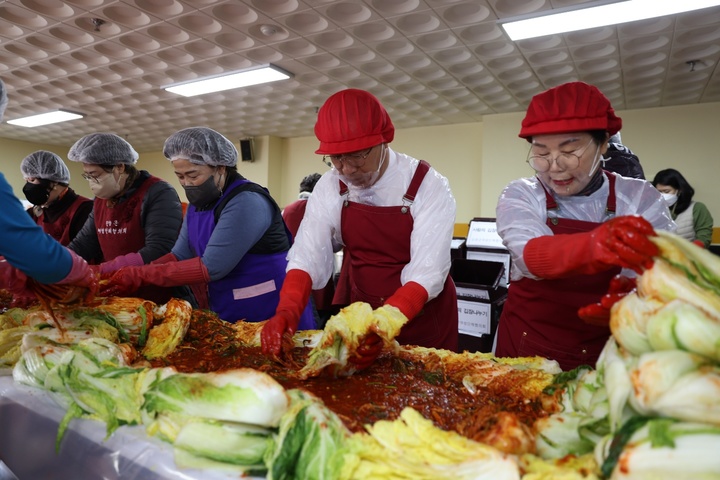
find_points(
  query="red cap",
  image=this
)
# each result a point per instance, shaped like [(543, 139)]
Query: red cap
[(352, 120), (570, 107)]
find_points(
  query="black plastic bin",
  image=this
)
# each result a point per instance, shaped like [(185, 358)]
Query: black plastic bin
[(480, 301)]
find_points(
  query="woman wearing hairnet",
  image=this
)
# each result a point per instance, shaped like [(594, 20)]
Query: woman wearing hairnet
[(570, 229), (27, 251), (136, 216), (233, 238), (394, 216), (57, 208)]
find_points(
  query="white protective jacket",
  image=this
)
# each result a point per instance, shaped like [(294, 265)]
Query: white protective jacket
[(433, 211), (522, 213)]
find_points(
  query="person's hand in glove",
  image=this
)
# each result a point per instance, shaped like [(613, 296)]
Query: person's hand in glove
[(80, 283), (369, 349), (294, 295), (619, 242), (133, 259), (13, 280), (599, 313), (171, 274), (410, 300), (82, 277)]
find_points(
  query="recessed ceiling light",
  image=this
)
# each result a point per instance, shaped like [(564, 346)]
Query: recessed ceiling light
[(45, 118), (242, 78), (268, 30), (600, 16)]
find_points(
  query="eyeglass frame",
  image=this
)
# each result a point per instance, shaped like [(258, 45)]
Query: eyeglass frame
[(550, 159), (343, 159), (96, 178)]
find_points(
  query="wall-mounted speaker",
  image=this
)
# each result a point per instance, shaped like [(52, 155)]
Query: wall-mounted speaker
[(246, 150)]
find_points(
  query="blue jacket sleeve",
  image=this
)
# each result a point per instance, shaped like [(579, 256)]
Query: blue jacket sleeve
[(24, 244)]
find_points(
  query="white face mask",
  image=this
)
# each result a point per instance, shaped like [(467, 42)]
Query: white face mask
[(670, 198), (108, 186), (366, 180)]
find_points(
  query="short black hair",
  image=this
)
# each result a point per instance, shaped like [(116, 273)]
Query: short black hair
[(307, 184)]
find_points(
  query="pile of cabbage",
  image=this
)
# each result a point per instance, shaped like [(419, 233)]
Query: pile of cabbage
[(651, 407), (242, 420)]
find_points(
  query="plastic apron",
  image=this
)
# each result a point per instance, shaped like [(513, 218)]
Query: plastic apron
[(251, 291), (540, 316), (377, 247)]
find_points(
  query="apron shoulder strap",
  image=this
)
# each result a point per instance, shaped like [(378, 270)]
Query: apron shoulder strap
[(420, 172), (611, 202)]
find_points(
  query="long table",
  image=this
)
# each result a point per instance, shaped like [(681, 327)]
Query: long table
[(29, 420)]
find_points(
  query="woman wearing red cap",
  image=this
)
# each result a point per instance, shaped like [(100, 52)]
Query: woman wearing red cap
[(394, 217), (570, 229)]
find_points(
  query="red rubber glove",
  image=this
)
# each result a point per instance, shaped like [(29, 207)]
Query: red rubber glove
[(621, 241), (409, 299), (172, 274), (167, 258), (599, 313), (13, 280), (81, 282), (294, 295), (368, 350)]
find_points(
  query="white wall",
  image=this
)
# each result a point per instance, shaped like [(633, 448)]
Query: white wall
[(479, 159)]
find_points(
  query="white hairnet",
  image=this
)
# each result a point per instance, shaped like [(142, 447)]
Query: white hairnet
[(201, 146), (45, 165), (103, 149), (3, 98)]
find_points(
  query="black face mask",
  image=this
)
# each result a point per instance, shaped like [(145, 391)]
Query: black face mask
[(204, 194), (37, 193)]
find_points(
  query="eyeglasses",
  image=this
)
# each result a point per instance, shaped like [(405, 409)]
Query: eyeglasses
[(94, 178), (354, 160), (564, 160)]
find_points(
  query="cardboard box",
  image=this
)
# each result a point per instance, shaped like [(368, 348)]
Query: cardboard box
[(480, 301)]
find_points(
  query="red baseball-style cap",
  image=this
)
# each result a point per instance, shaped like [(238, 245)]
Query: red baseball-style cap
[(352, 120), (570, 107)]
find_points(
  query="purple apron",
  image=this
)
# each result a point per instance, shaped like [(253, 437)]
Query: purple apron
[(251, 291)]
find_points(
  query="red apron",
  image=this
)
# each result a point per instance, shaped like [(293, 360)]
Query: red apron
[(540, 316), (377, 247), (119, 231), (60, 228)]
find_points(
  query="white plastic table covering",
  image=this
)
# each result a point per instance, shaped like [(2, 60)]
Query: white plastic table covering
[(29, 421)]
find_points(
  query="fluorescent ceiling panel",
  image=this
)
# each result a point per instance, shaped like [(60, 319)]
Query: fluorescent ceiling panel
[(244, 78), (45, 119), (593, 17)]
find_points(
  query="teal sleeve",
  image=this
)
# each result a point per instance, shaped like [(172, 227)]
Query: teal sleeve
[(702, 223), (25, 245)]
